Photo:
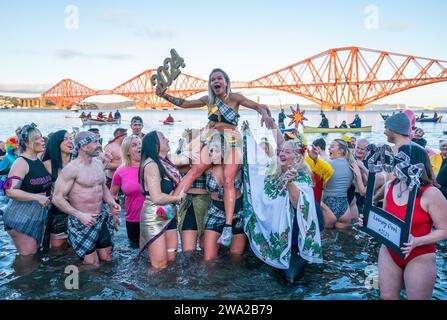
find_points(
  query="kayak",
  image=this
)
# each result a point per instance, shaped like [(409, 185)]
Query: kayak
[(437, 119), (336, 130), (168, 123), (99, 122)]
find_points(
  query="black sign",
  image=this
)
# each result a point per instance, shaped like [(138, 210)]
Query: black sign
[(382, 225)]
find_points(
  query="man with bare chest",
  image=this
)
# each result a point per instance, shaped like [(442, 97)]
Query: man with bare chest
[(81, 192), (114, 149)]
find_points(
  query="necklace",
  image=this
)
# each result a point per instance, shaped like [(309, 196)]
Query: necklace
[(399, 194)]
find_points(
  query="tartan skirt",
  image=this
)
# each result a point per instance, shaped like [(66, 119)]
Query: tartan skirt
[(27, 217), (82, 238)]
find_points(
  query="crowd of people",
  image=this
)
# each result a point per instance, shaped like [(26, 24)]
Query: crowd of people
[(221, 188)]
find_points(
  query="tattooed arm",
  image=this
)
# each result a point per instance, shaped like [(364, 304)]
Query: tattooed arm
[(182, 103)]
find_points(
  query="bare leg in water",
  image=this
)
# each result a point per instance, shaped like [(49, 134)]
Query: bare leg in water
[(230, 167)]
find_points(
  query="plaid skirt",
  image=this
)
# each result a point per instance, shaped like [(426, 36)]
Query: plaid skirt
[(83, 239), (27, 217), (215, 220)]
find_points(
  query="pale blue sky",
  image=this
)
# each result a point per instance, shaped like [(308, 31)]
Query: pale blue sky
[(116, 40)]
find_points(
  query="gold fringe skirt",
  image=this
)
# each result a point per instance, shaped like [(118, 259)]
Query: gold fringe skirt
[(152, 225)]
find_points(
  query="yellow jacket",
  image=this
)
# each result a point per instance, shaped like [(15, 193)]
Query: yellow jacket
[(322, 169), (436, 162)]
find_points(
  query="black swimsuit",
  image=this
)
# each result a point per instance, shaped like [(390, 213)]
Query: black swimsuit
[(215, 118), (167, 186), (38, 180)]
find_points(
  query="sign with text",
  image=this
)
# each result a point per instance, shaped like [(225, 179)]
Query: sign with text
[(382, 225), (168, 72)]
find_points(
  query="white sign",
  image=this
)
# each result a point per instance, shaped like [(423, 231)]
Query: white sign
[(384, 227)]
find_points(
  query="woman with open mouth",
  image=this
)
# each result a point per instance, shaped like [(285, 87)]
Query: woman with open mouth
[(223, 106)]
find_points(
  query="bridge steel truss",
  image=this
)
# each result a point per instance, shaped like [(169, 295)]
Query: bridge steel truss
[(349, 77)]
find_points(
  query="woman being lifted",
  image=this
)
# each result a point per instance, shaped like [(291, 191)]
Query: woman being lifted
[(223, 116)]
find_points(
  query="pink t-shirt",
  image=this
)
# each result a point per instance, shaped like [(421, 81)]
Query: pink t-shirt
[(127, 179)]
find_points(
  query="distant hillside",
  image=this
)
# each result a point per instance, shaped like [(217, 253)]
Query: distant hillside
[(8, 102)]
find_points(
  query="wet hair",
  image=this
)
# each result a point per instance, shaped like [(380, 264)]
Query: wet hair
[(211, 96), (320, 142), (418, 155), (125, 147), (53, 152), (94, 130), (150, 147)]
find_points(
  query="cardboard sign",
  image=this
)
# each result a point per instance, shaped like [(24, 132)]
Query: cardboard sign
[(380, 224), (168, 72)]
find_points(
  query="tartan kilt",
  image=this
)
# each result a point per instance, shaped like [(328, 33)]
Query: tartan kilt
[(27, 217), (83, 239)]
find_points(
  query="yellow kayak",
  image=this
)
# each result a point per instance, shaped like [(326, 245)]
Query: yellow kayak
[(336, 130)]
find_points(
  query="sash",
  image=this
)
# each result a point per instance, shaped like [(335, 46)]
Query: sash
[(226, 111)]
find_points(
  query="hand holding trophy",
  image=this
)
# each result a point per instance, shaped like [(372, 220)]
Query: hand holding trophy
[(167, 73)]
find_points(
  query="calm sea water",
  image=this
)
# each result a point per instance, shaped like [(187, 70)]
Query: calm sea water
[(350, 257)]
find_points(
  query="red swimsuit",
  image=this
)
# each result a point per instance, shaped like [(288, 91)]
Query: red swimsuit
[(421, 225)]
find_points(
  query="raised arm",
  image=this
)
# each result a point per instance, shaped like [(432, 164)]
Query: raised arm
[(358, 178), (152, 184), (278, 136), (263, 109), (182, 103)]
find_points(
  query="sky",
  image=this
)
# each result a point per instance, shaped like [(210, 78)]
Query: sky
[(104, 43)]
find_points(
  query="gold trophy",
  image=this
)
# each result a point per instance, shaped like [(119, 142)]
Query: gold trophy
[(168, 72)]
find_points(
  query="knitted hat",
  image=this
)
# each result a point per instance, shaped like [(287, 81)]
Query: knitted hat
[(398, 123)]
